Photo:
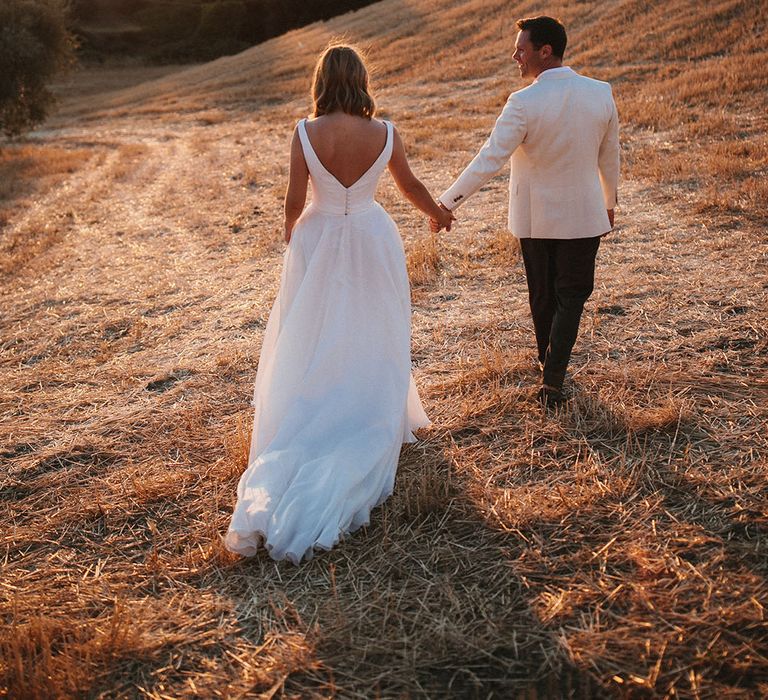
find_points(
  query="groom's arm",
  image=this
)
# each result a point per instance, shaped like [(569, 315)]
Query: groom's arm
[(608, 160), (508, 133)]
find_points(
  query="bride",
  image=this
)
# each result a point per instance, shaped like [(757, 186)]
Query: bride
[(334, 398)]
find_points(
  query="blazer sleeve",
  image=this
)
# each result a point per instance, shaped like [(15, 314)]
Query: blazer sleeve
[(508, 133), (608, 159)]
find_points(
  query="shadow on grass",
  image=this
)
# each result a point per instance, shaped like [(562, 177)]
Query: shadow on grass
[(423, 602), (672, 550)]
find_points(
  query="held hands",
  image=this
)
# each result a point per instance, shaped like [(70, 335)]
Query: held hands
[(446, 218)]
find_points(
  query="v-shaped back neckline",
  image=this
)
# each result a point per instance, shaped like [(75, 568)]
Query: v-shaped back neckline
[(306, 139)]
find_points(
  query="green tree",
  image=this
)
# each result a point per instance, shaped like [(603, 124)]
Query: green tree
[(35, 43)]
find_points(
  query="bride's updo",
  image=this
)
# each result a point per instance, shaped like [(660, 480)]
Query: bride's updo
[(341, 83)]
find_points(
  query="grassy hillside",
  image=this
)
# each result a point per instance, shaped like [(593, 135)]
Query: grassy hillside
[(615, 550), (691, 75)]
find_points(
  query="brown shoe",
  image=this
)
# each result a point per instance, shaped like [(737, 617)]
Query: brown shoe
[(551, 396)]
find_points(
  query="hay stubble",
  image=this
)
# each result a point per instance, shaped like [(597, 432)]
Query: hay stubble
[(617, 548)]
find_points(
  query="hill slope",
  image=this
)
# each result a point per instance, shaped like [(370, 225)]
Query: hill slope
[(689, 73), (618, 549)]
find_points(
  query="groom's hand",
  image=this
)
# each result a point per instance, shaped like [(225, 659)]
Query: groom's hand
[(445, 221), (610, 216)]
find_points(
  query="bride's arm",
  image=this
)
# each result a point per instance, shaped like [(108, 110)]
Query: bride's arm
[(412, 188), (296, 194)]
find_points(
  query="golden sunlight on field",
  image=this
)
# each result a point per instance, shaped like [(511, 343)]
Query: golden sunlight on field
[(618, 549)]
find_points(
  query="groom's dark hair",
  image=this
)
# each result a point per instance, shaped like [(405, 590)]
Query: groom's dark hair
[(545, 30)]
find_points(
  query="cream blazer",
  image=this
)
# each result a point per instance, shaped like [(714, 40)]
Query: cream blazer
[(562, 134)]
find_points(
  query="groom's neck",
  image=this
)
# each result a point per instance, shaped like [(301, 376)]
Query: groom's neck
[(551, 63)]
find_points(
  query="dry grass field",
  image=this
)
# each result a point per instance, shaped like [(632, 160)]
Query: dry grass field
[(616, 549)]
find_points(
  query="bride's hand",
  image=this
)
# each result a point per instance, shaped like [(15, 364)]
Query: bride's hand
[(288, 232), (444, 222)]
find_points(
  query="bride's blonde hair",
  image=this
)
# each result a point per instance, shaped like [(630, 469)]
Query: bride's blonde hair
[(340, 83)]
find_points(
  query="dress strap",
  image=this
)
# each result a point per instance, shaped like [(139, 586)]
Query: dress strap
[(390, 144), (306, 145)]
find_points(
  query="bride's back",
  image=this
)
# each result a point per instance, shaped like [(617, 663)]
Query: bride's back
[(346, 145)]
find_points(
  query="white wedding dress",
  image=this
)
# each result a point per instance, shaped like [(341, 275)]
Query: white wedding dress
[(334, 398)]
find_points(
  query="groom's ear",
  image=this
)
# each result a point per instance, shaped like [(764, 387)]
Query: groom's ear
[(546, 51)]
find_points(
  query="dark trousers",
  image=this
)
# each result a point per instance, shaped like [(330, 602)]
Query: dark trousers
[(561, 276)]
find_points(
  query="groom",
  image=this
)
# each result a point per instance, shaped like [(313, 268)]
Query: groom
[(562, 133)]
